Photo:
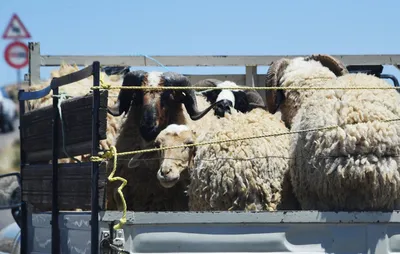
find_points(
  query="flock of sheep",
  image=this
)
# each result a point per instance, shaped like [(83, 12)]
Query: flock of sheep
[(352, 167)]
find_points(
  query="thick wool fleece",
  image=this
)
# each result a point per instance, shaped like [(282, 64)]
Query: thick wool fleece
[(10, 191), (353, 167), (245, 175), (301, 73), (143, 191), (81, 88)]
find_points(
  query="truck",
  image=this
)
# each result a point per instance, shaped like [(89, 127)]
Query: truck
[(50, 193)]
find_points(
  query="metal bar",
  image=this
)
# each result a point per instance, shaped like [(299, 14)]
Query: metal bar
[(72, 77), (55, 233), (389, 76), (35, 94), (57, 82), (217, 60), (251, 76), (95, 165), (34, 62), (24, 208), (243, 218)]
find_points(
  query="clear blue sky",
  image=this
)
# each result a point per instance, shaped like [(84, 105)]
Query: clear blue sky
[(189, 27)]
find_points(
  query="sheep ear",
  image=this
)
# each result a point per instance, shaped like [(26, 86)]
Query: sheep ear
[(275, 98), (242, 103), (255, 99), (126, 96), (211, 95), (333, 64)]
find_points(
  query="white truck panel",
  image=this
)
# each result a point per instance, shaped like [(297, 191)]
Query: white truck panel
[(230, 232)]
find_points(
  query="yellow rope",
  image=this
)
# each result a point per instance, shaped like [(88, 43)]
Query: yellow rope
[(102, 157), (147, 88), (111, 178), (105, 86), (102, 84)]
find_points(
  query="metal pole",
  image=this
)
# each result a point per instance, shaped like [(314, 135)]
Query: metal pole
[(95, 165), (55, 230), (24, 207), (18, 79)]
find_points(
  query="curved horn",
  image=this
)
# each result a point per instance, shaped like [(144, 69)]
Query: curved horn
[(254, 98), (125, 96), (211, 95), (333, 64), (275, 97), (210, 82), (189, 97)]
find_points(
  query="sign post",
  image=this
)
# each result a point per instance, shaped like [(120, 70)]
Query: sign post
[(16, 29), (16, 53)]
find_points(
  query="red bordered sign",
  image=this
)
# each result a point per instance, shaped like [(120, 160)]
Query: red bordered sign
[(16, 54)]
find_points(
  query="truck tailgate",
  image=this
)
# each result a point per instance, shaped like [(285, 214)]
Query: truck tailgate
[(231, 232)]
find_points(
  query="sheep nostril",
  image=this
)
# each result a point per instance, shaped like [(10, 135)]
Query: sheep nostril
[(165, 172)]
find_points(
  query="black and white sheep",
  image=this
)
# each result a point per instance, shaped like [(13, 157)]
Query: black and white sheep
[(241, 100), (354, 166)]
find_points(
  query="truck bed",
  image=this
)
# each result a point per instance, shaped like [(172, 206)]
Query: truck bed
[(230, 232)]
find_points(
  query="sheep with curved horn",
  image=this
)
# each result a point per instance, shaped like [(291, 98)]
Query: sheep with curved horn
[(147, 113), (354, 166), (241, 100)]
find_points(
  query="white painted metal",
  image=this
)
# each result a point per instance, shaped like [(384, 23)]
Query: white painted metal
[(230, 232), (36, 60)]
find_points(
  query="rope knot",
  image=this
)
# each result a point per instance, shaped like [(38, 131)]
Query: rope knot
[(105, 86)]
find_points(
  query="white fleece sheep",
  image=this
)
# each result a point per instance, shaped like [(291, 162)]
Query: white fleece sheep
[(247, 175), (81, 88), (10, 191), (352, 167)]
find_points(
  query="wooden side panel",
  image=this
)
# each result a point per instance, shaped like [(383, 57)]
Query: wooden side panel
[(37, 132), (74, 186)]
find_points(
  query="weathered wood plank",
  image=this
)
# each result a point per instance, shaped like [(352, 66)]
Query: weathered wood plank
[(36, 128), (74, 186)]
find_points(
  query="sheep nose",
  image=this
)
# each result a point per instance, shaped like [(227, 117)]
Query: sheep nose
[(165, 172), (223, 107)]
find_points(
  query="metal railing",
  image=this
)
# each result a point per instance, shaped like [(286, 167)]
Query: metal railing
[(93, 69)]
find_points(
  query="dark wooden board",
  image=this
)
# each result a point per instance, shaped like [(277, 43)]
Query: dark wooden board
[(74, 186), (36, 128)]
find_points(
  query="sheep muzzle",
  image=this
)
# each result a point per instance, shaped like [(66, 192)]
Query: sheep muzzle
[(167, 177), (222, 107)]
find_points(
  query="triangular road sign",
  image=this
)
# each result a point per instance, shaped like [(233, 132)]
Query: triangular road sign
[(16, 29)]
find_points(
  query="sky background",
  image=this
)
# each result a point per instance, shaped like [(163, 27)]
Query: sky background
[(206, 27)]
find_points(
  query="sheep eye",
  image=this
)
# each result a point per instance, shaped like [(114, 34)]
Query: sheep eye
[(157, 144)]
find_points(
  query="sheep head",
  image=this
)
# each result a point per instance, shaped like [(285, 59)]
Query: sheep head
[(276, 70), (243, 101), (155, 106), (174, 162)]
